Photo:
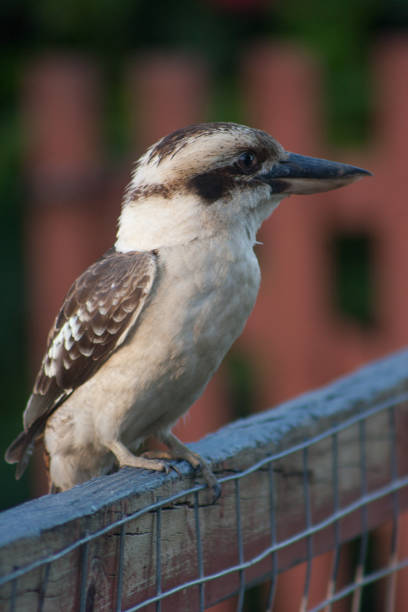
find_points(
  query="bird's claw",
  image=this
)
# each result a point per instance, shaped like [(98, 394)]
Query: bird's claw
[(173, 467), (211, 481), (160, 454), (216, 490)]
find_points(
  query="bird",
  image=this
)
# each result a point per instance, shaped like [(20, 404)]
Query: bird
[(143, 329)]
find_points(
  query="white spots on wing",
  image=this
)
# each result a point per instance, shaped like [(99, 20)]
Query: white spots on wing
[(76, 329), (50, 368), (100, 319), (69, 334), (90, 305), (54, 352)]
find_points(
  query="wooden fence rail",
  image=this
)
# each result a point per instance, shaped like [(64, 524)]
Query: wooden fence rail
[(297, 481)]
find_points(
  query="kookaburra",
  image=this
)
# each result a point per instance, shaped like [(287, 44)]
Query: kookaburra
[(142, 330)]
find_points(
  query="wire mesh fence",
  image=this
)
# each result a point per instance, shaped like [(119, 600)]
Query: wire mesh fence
[(298, 481)]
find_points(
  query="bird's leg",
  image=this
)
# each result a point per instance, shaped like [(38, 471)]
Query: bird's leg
[(125, 457), (178, 450)]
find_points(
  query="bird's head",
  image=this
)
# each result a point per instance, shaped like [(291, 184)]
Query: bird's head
[(216, 177)]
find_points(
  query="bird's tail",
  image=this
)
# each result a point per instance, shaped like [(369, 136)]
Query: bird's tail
[(20, 451)]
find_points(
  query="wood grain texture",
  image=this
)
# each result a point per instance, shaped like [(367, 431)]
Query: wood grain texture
[(48, 526)]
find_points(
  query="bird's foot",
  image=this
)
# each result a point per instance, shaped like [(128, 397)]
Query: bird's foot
[(146, 464), (211, 481), (126, 458), (178, 450), (161, 454)]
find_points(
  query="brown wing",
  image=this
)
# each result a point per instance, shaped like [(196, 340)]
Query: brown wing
[(99, 310)]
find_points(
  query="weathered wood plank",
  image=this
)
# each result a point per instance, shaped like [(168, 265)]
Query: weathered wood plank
[(49, 528)]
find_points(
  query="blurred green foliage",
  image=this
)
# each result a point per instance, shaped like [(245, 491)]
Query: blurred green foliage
[(353, 289), (339, 33)]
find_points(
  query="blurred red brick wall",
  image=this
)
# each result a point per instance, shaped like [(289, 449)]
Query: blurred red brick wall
[(294, 337)]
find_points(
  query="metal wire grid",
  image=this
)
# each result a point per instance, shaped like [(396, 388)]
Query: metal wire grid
[(354, 589)]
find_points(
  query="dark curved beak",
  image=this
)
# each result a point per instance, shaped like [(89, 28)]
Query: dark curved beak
[(303, 175)]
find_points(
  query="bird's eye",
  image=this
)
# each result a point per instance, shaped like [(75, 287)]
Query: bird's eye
[(247, 162)]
